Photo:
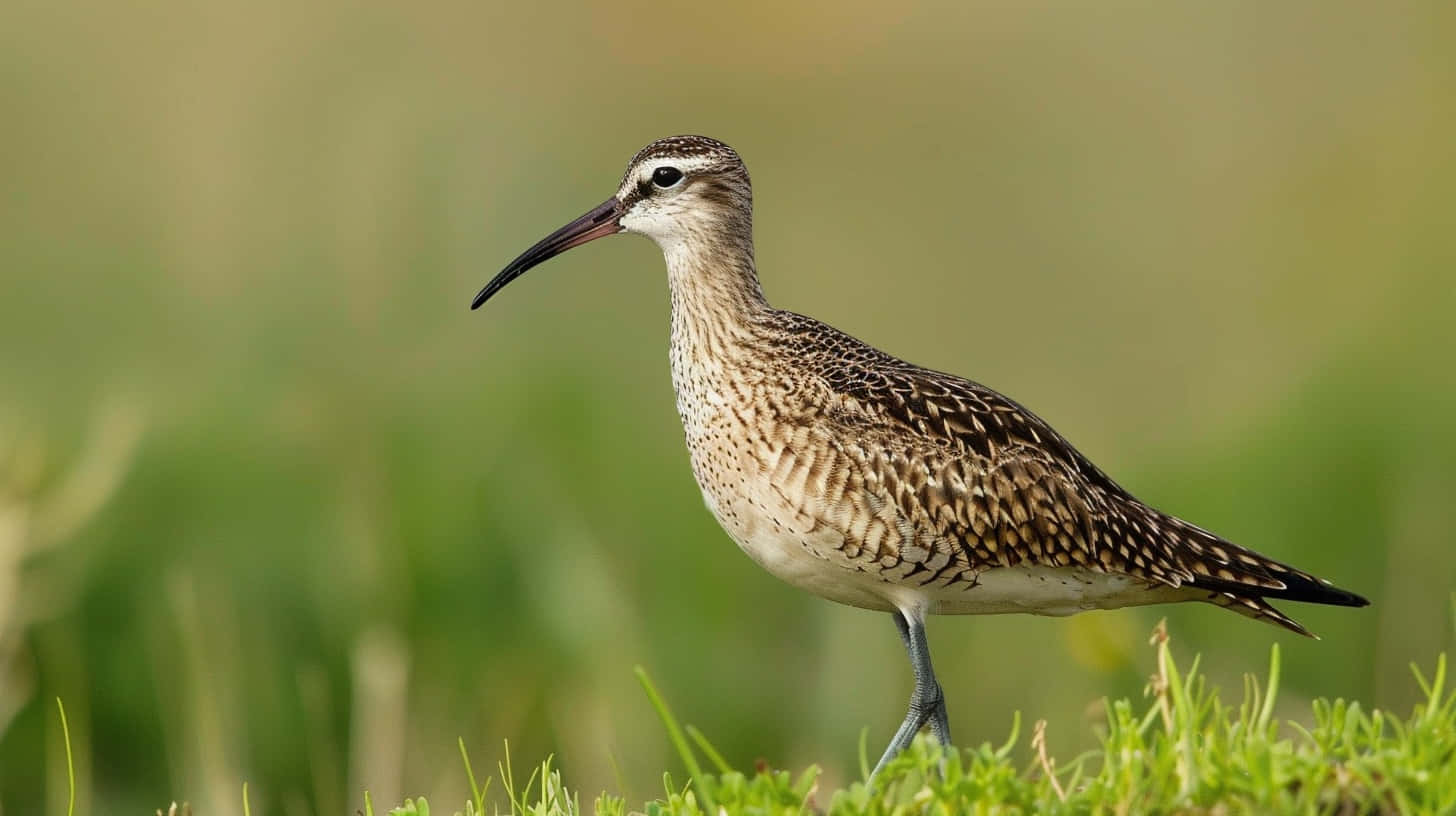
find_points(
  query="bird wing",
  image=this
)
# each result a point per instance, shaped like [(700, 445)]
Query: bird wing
[(967, 468)]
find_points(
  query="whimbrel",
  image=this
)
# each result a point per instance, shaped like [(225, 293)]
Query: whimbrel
[(877, 483)]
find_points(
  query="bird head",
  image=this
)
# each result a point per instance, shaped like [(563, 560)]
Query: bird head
[(676, 191)]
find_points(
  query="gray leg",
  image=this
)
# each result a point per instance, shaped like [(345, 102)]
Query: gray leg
[(927, 703)]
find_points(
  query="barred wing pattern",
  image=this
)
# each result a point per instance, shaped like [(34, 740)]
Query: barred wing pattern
[(978, 482)]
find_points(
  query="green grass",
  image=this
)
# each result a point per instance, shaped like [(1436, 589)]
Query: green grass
[(70, 761), (1182, 749)]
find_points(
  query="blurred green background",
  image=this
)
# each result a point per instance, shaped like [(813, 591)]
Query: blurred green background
[(275, 507)]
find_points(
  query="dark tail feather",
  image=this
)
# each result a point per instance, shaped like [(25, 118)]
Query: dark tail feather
[(1259, 609), (1298, 586), (1216, 564), (1233, 577), (1250, 599)]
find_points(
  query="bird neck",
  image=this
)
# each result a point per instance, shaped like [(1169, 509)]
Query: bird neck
[(716, 296)]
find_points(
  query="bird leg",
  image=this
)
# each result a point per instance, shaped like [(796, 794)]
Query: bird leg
[(927, 702)]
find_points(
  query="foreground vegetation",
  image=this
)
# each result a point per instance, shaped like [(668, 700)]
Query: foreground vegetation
[(1183, 750)]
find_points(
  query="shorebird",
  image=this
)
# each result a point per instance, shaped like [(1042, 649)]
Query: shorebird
[(876, 483)]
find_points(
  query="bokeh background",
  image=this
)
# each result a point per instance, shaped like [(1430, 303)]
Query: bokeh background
[(276, 508)]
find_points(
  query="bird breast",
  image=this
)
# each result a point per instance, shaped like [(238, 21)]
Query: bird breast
[(778, 479)]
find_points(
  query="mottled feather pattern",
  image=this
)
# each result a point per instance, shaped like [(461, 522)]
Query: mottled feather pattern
[(932, 479), (801, 433), (689, 147)]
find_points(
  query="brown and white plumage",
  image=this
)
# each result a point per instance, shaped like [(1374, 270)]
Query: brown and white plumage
[(878, 483), (969, 481)]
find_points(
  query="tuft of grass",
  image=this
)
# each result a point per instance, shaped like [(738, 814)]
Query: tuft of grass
[(1182, 750)]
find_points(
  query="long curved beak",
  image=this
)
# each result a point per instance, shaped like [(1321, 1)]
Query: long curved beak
[(602, 220)]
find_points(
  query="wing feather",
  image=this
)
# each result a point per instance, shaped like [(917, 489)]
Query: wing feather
[(970, 469)]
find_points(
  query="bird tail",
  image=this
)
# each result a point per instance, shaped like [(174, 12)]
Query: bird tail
[(1258, 609), (1252, 600), (1244, 581)]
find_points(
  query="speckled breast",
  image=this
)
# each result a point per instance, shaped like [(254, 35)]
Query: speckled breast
[(752, 468)]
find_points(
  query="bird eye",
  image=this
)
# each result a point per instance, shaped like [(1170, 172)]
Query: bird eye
[(666, 177)]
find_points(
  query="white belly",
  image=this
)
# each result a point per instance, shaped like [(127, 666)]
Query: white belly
[(1047, 591), (773, 534)]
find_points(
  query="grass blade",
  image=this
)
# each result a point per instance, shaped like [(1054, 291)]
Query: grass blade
[(675, 733), (70, 764)]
